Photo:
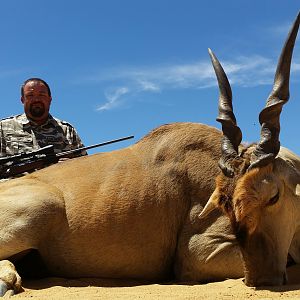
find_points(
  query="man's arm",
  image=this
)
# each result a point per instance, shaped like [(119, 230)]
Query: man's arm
[(2, 142), (76, 142)]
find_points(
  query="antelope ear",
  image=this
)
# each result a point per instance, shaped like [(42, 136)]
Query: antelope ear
[(287, 170), (297, 190), (211, 204)]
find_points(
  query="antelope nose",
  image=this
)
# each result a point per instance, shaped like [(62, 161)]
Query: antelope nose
[(280, 279)]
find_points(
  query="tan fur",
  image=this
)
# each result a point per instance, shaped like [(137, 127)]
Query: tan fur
[(249, 195), (130, 213)]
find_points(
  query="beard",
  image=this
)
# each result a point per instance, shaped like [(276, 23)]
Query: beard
[(37, 110)]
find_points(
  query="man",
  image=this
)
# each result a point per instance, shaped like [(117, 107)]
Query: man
[(36, 128)]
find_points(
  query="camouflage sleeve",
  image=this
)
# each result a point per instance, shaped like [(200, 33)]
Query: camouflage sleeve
[(2, 144), (76, 140)]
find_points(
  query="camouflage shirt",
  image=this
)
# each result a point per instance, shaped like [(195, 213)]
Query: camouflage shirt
[(17, 135)]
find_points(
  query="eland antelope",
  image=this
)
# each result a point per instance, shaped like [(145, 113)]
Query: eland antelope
[(134, 212)]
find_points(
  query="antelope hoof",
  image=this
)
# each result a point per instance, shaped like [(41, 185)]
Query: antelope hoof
[(3, 288), (10, 281)]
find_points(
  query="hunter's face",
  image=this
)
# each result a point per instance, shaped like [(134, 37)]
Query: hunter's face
[(36, 101)]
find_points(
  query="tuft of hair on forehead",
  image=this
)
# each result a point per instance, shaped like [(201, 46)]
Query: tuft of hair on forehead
[(246, 197), (238, 196), (227, 184)]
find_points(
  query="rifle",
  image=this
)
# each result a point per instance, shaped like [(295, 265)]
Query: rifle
[(30, 161)]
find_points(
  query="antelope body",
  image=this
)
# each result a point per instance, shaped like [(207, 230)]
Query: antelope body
[(131, 213)]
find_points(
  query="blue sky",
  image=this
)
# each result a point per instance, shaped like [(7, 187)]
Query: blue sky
[(119, 68)]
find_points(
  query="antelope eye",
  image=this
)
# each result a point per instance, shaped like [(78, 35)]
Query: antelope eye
[(274, 199)]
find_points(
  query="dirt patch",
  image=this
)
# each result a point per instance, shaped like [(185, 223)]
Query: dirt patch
[(59, 288)]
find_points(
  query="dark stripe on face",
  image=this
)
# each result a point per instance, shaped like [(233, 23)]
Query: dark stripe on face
[(241, 233)]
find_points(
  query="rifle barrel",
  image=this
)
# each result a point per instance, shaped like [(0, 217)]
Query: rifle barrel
[(93, 146)]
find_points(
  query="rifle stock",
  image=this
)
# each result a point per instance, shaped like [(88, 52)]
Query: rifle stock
[(31, 166), (11, 166)]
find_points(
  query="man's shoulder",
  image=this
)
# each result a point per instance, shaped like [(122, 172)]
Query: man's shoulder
[(62, 122), (7, 119), (11, 119)]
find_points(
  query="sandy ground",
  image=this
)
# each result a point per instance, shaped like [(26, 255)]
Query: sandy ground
[(58, 288)]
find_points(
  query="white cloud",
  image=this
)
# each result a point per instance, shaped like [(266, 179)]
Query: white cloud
[(295, 67), (146, 85), (113, 98), (250, 71), (280, 30), (242, 71)]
